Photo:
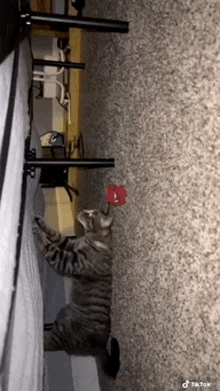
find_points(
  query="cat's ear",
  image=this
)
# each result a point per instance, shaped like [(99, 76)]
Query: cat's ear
[(106, 221)]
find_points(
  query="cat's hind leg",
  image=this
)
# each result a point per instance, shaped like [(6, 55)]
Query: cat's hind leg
[(63, 334), (111, 362), (51, 341)]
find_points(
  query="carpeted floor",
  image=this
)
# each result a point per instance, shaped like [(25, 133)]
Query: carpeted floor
[(151, 101)]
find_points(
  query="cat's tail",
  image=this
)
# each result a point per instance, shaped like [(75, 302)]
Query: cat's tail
[(111, 362)]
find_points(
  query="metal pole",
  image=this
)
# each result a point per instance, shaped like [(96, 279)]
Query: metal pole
[(81, 163), (60, 21), (59, 64), (66, 8)]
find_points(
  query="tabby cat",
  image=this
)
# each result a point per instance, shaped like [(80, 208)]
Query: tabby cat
[(83, 326)]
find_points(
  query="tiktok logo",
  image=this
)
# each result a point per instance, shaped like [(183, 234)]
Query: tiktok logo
[(186, 384), (195, 384)]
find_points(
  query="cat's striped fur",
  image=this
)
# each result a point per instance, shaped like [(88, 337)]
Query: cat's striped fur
[(83, 326)]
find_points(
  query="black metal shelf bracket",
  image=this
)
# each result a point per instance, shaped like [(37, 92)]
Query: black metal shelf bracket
[(58, 21), (32, 163), (62, 64)]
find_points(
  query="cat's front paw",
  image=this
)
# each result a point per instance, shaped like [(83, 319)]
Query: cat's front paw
[(37, 233), (38, 219), (47, 232), (34, 230), (40, 223), (37, 227), (35, 224)]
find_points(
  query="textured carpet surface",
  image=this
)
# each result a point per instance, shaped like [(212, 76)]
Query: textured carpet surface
[(151, 101)]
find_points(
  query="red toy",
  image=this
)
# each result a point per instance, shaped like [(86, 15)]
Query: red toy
[(116, 195)]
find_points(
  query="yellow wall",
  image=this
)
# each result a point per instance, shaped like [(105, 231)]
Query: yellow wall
[(58, 211)]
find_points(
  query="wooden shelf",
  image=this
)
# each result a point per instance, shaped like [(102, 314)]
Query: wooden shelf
[(45, 6)]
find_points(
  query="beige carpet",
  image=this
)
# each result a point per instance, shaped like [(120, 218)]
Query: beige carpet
[(151, 101)]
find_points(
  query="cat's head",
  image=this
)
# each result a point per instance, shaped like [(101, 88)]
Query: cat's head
[(94, 220)]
